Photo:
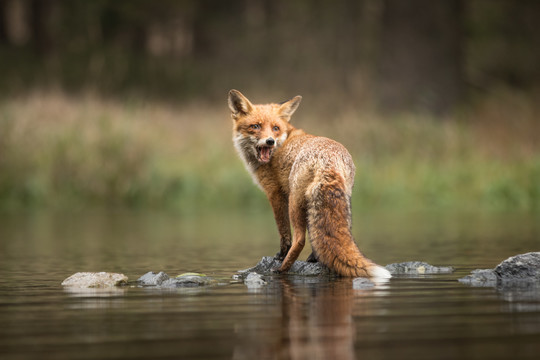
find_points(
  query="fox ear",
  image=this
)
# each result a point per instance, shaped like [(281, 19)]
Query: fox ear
[(238, 103), (289, 107)]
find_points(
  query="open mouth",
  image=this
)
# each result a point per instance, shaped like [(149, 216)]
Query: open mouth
[(264, 153)]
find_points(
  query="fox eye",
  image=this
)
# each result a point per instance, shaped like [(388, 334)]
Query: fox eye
[(255, 126), (276, 128)]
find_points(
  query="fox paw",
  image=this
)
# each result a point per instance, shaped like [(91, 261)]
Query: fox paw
[(283, 251), (312, 258)]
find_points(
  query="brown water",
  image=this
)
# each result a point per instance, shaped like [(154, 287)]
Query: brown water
[(423, 317)]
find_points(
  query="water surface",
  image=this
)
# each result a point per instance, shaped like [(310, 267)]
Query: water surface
[(422, 317)]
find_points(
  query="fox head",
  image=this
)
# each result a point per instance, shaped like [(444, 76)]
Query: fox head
[(258, 130)]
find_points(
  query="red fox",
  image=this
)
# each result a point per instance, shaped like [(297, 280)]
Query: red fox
[(308, 181)]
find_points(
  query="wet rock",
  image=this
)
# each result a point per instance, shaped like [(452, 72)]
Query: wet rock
[(417, 268), (362, 284), (153, 279), (254, 280), (192, 279), (268, 264), (95, 280), (480, 277), (524, 267), (517, 271), (162, 280)]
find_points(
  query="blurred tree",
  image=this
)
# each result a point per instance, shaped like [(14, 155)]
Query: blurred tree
[(41, 25), (503, 44), (411, 52), (3, 23), (421, 55)]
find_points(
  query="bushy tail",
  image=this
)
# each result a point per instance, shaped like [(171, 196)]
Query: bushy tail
[(329, 226)]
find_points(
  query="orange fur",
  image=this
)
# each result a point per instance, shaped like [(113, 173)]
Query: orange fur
[(308, 181)]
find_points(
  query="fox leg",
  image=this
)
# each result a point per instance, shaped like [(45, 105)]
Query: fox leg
[(312, 257), (280, 206), (298, 217)]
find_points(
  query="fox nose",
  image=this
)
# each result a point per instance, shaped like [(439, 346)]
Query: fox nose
[(270, 141)]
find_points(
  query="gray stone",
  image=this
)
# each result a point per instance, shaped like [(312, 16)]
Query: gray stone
[(153, 279), (254, 280), (192, 280), (95, 280), (417, 268), (162, 280), (362, 284), (268, 264), (520, 271), (485, 277), (524, 267)]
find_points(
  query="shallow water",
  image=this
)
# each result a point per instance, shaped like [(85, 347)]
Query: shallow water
[(431, 316)]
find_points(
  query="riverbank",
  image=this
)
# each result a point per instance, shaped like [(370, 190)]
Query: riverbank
[(63, 151)]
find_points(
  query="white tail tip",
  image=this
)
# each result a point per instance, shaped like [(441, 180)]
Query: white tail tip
[(379, 272)]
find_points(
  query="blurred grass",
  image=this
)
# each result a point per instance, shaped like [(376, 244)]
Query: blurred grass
[(69, 152)]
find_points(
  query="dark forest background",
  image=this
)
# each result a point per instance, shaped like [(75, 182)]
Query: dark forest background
[(124, 102), (401, 55)]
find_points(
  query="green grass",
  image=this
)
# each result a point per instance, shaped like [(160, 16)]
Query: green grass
[(58, 151)]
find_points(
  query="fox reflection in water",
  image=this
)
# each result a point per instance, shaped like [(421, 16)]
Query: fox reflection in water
[(316, 321)]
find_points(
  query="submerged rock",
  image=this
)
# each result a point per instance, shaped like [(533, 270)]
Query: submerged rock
[(95, 280), (362, 284), (163, 280), (417, 268), (192, 279), (268, 264), (254, 280), (480, 277), (153, 279), (516, 271)]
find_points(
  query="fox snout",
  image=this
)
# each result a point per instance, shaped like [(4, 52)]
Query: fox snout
[(266, 141), (265, 149)]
